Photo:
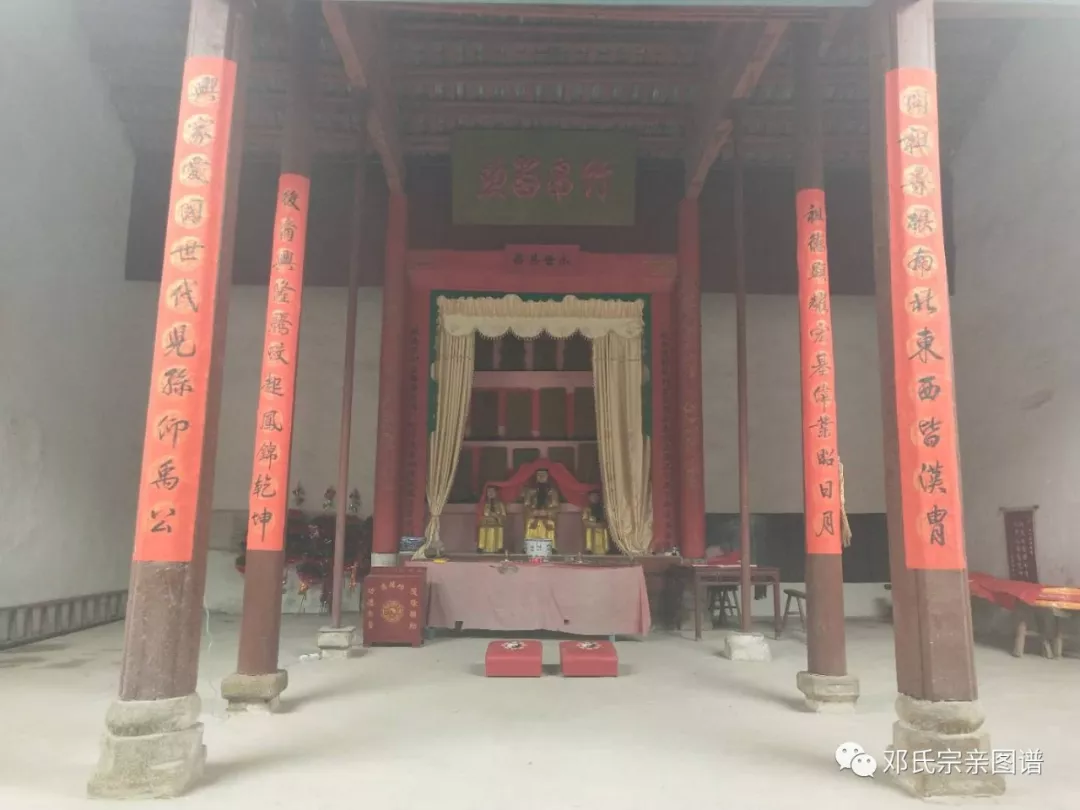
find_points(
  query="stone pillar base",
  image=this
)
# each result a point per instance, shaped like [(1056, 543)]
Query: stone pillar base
[(381, 560), (937, 727), (254, 693), (828, 693), (152, 749), (336, 642), (747, 647)]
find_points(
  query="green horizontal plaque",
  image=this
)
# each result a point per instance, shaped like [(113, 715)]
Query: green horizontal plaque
[(544, 178)]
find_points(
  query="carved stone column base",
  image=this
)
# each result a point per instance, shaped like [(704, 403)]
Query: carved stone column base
[(336, 642), (954, 759), (747, 647), (828, 693), (254, 693), (152, 749)]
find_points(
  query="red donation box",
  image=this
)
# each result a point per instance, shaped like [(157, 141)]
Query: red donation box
[(395, 606)]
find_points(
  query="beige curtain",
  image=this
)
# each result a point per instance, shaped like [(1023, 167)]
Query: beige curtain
[(625, 460), (453, 373), (615, 328), (495, 317)]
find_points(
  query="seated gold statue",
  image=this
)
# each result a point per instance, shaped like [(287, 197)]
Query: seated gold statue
[(490, 531), (597, 540), (541, 509)]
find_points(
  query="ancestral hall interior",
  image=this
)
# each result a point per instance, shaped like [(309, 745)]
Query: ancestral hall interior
[(580, 359), (656, 80)]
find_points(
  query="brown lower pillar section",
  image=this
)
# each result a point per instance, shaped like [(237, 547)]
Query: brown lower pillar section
[(260, 630), (826, 683), (937, 709), (152, 746)]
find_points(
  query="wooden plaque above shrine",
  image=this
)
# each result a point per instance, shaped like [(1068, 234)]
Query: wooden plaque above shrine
[(543, 178)]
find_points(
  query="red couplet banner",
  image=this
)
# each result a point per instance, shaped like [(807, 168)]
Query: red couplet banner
[(173, 457), (922, 338), (821, 464), (269, 493)]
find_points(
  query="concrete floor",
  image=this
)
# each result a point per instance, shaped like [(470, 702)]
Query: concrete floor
[(404, 728)]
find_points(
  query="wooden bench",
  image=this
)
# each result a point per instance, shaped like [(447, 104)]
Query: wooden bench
[(799, 597)]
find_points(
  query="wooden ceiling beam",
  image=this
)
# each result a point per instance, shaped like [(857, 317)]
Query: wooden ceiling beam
[(357, 32), (576, 73), (264, 143), (608, 14), (597, 112), (744, 60), (834, 21), (427, 34)]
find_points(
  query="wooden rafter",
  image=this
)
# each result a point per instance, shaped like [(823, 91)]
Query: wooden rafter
[(574, 73), (741, 56), (357, 33), (605, 14), (614, 114), (432, 33)]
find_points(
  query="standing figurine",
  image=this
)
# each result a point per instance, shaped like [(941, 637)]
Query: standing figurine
[(596, 528), (490, 532), (541, 509)]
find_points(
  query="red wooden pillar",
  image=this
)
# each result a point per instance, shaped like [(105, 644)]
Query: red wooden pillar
[(742, 388), (665, 522), (691, 438), (672, 417), (826, 683), (938, 703), (745, 645), (414, 476), (153, 741), (258, 682), (388, 446), (336, 644)]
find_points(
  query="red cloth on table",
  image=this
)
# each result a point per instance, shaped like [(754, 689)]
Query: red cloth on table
[(569, 487), (1006, 592), (584, 600), (730, 558)]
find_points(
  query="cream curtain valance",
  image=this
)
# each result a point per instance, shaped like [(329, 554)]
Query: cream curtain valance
[(495, 317)]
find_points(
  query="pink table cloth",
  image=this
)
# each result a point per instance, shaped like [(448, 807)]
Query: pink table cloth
[(578, 599)]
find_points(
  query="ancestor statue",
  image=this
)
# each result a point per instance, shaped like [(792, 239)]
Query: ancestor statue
[(597, 539), (541, 504), (489, 537)]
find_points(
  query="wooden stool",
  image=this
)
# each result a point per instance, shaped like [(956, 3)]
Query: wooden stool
[(799, 597), (728, 601), (1047, 635), (588, 659), (514, 659)]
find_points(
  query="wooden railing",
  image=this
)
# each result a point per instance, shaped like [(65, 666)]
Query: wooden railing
[(25, 624)]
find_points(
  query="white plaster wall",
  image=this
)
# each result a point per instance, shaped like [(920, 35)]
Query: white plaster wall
[(316, 428), (74, 337), (775, 412), (317, 423), (1015, 312)]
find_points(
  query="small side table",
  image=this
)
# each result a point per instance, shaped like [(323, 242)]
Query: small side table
[(704, 576), (395, 606)]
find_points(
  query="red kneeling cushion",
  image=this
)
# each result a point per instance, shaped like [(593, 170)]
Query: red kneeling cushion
[(588, 659), (514, 659)]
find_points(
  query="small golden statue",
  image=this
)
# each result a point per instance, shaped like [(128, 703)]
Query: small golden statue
[(490, 532), (541, 509), (597, 540)]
